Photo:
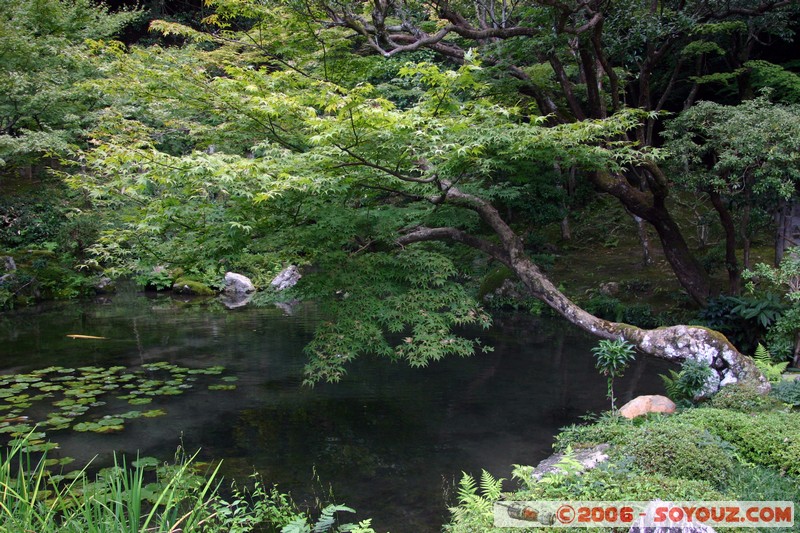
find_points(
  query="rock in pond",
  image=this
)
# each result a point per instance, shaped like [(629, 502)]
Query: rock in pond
[(238, 284), (105, 285), (286, 279), (191, 287), (641, 405)]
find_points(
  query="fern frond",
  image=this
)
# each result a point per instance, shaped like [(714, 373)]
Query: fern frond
[(491, 487), (671, 384), (762, 355), (327, 519), (467, 488)]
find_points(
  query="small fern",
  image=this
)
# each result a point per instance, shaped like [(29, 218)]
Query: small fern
[(476, 501), (327, 522), (687, 384), (671, 384), (771, 370), (567, 466)]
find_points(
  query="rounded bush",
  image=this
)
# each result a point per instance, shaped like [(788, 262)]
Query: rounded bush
[(680, 451), (768, 438)]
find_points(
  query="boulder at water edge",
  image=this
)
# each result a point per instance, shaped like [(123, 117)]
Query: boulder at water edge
[(641, 405), (238, 284), (587, 459), (286, 279)]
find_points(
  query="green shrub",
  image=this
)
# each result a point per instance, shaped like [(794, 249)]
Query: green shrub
[(605, 307), (494, 280), (770, 439), (742, 397), (787, 392), (640, 315), (617, 480), (758, 483), (614, 430), (679, 451), (687, 384)]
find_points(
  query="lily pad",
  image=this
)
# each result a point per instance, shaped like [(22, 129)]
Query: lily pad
[(221, 387), (146, 462)]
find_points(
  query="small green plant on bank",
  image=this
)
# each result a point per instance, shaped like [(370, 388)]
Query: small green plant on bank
[(475, 508), (326, 523), (787, 392), (613, 357), (771, 370), (683, 386)]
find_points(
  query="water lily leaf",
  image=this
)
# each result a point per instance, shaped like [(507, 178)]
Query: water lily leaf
[(108, 429), (140, 401), (221, 387), (230, 378), (16, 428), (146, 462), (47, 370), (85, 426), (42, 447), (154, 413)]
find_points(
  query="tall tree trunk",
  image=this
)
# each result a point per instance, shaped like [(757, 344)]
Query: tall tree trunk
[(649, 205), (644, 240), (728, 225)]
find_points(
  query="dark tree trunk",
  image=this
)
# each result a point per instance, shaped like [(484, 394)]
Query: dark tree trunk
[(731, 262), (649, 205)]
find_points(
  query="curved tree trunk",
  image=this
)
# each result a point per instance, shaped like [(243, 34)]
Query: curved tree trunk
[(675, 343)]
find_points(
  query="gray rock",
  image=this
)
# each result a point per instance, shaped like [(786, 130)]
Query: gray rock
[(287, 278), (105, 285), (609, 289), (238, 284), (588, 459), (9, 264)]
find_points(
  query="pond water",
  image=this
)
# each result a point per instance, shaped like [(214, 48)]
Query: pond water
[(388, 440)]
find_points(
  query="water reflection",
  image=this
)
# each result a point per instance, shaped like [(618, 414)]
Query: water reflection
[(391, 441)]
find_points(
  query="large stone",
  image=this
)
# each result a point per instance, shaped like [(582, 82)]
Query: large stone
[(286, 279), (238, 284), (105, 285), (191, 287), (9, 264), (641, 405), (588, 459), (609, 289)]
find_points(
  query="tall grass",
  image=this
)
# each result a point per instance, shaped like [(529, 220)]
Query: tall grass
[(118, 500), (173, 498)]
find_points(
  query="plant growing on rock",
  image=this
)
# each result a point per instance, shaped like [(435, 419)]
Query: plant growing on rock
[(613, 357)]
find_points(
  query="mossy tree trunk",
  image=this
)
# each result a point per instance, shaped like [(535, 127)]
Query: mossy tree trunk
[(675, 343)]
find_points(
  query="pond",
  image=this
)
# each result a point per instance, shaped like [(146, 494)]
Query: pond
[(388, 440)]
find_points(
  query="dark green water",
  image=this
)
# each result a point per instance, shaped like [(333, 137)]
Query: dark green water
[(388, 440)]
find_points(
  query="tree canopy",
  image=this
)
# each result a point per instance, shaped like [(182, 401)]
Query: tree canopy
[(260, 148)]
